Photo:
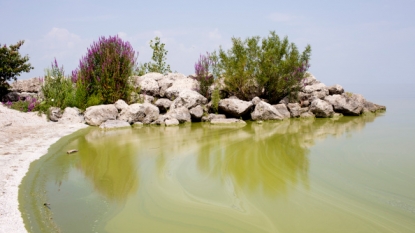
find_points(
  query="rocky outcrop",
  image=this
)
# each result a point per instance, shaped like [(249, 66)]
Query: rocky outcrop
[(172, 122), (265, 111), (347, 103), (336, 90), (235, 108), (163, 104), (145, 113), (188, 99), (32, 85), (96, 115), (121, 105), (295, 109), (179, 85), (182, 114), (282, 109), (114, 124), (196, 113), (321, 108), (148, 85)]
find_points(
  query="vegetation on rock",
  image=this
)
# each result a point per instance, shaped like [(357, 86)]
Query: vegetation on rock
[(159, 58)]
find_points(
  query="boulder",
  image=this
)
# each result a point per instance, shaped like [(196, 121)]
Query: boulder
[(12, 96), (172, 122), (163, 104), (30, 85), (256, 100), (143, 98), (227, 121), (189, 99), (321, 108), (295, 109), (265, 111), (71, 116), (307, 115), (164, 84), (371, 107), (211, 116), (54, 114), (137, 124), (145, 113), (181, 114), (235, 107), (347, 103), (196, 113), (120, 105), (309, 79), (96, 115), (315, 87), (283, 110), (114, 124), (180, 85), (336, 90), (148, 85)]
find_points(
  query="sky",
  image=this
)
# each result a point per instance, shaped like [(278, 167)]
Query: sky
[(357, 44)]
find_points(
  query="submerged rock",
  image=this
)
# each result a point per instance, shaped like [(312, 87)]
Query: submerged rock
[(114, 124), (227, 121)]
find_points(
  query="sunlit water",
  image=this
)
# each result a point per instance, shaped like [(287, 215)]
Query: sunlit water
[(355, 174)]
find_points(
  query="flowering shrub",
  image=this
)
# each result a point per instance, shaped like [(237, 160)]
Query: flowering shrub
[(203, 74), (28, 105), (271, 69), (105, 70)]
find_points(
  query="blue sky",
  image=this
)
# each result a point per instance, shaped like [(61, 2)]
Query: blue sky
[(354, 43)]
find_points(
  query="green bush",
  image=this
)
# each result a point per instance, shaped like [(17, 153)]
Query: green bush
[(159, 58), (271, 69), (104, 72)]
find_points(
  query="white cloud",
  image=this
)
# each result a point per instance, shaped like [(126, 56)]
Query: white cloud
[(61, 38), (215, 35)]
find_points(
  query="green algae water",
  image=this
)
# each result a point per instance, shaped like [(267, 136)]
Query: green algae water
[(353, 174)]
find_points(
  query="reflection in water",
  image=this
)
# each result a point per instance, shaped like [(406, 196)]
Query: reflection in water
[(204, 178), (107, 159)]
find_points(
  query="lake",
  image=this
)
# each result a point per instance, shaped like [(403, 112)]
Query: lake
[(353, 174)]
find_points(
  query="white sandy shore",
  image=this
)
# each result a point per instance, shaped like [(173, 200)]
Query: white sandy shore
[(24, 137)]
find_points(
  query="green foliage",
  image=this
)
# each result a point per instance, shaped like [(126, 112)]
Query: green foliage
[(215, 100), (271, 69), (11, 64), (159, 58), (27, 105), (105, 70)]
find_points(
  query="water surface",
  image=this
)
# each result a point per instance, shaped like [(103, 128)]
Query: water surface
[(353, 174)]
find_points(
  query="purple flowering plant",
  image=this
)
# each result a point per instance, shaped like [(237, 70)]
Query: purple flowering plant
[(105, 69), (203, 74)]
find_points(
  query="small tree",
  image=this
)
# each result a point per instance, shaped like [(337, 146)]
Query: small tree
[(105, 70), (159, 58), (12, 63)]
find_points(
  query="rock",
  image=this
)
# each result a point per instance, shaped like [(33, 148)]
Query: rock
[(321, 108), (211, 116), (181, 114), (176, 76), (137, 125), (12, 96), (145, 113), (114, 124), (30, 85), (171, 122), (196, 113), (306, 115), (265, 111), (227, 121), (371, 107), (180, 85), (295, 109), (256, 100), (164, 84), (120, 105), (189, 99), (96, 115), (315, 87), (143, 98), (336, 90), (347, 103), (163, 104), (148, 85), (285, 100), (282, 109), (235, 107), (54, 114), (153, 75), (309, 79), (71, 116)]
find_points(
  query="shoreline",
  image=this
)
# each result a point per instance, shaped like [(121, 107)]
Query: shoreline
[(24, 138)]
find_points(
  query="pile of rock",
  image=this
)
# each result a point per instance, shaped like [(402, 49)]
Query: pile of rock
[(22, 89), (172, 99)]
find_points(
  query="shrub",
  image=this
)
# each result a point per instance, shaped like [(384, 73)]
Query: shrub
[(58, 90), (215, 100), (159, 58), (203, 73), (271, 70), (105, 70), (28, 105)]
